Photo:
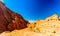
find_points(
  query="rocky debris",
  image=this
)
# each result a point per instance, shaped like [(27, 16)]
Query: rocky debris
[(9, 20), (48, 27)]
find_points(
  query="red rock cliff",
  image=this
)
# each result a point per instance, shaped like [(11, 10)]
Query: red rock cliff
[(9, 20)]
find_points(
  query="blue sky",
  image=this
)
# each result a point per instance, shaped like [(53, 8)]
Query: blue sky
[(34, 9)]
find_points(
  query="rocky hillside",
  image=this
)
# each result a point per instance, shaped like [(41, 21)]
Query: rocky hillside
[(9, 20), (48, 27)]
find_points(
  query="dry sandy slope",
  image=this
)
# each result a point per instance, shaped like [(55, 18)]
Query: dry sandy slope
[(22, 33), (47, 27)]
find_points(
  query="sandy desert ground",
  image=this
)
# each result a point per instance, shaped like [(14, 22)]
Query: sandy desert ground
[(48, 27)]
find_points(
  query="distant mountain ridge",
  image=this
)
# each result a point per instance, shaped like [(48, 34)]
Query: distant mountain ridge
[(9, 20)]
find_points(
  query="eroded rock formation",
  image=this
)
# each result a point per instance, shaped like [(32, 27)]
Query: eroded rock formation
[(9, 20)]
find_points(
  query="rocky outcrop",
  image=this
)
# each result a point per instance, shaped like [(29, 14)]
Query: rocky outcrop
[(9, 20), (17, 23)]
